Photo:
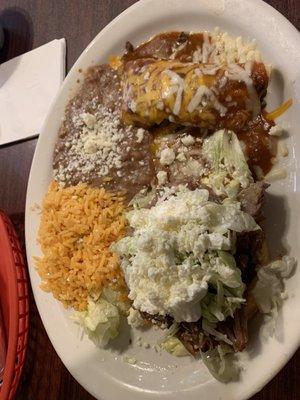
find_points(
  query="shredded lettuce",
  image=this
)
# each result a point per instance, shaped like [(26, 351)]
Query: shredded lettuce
[(229, 169), (174, 346), (210, 328), (221, 363), (100, 321), (113, 297), (181, 251), (269, 287), (228, 216), (226, 290), (142, 199)]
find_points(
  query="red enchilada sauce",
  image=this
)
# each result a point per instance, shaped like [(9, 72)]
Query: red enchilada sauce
[(177, 45), (260, 147)]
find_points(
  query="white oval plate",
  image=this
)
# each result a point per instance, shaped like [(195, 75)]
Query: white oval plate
[(103, 373)]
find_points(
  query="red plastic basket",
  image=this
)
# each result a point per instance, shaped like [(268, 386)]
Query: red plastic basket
[(14, 305)]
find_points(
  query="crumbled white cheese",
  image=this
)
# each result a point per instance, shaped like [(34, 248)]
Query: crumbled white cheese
[(276, 130), (171, 257), (135, 319), (181, 157), (140, 135), (188, 140), (182, 149), (162, 177), (167, 156), (193, 168), (96, 146), (88, 119)]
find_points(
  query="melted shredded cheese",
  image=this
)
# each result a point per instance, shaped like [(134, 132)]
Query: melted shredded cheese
[(173, 90), (280, 110)]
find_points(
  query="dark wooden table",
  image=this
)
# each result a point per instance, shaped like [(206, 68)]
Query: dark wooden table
[(29, 24)]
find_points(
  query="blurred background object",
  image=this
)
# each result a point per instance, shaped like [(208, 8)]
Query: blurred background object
[(2, 347), (14, 304), (17, 34), (1, 37)]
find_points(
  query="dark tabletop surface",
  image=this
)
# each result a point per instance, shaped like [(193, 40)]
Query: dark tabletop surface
[(29, 24)]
